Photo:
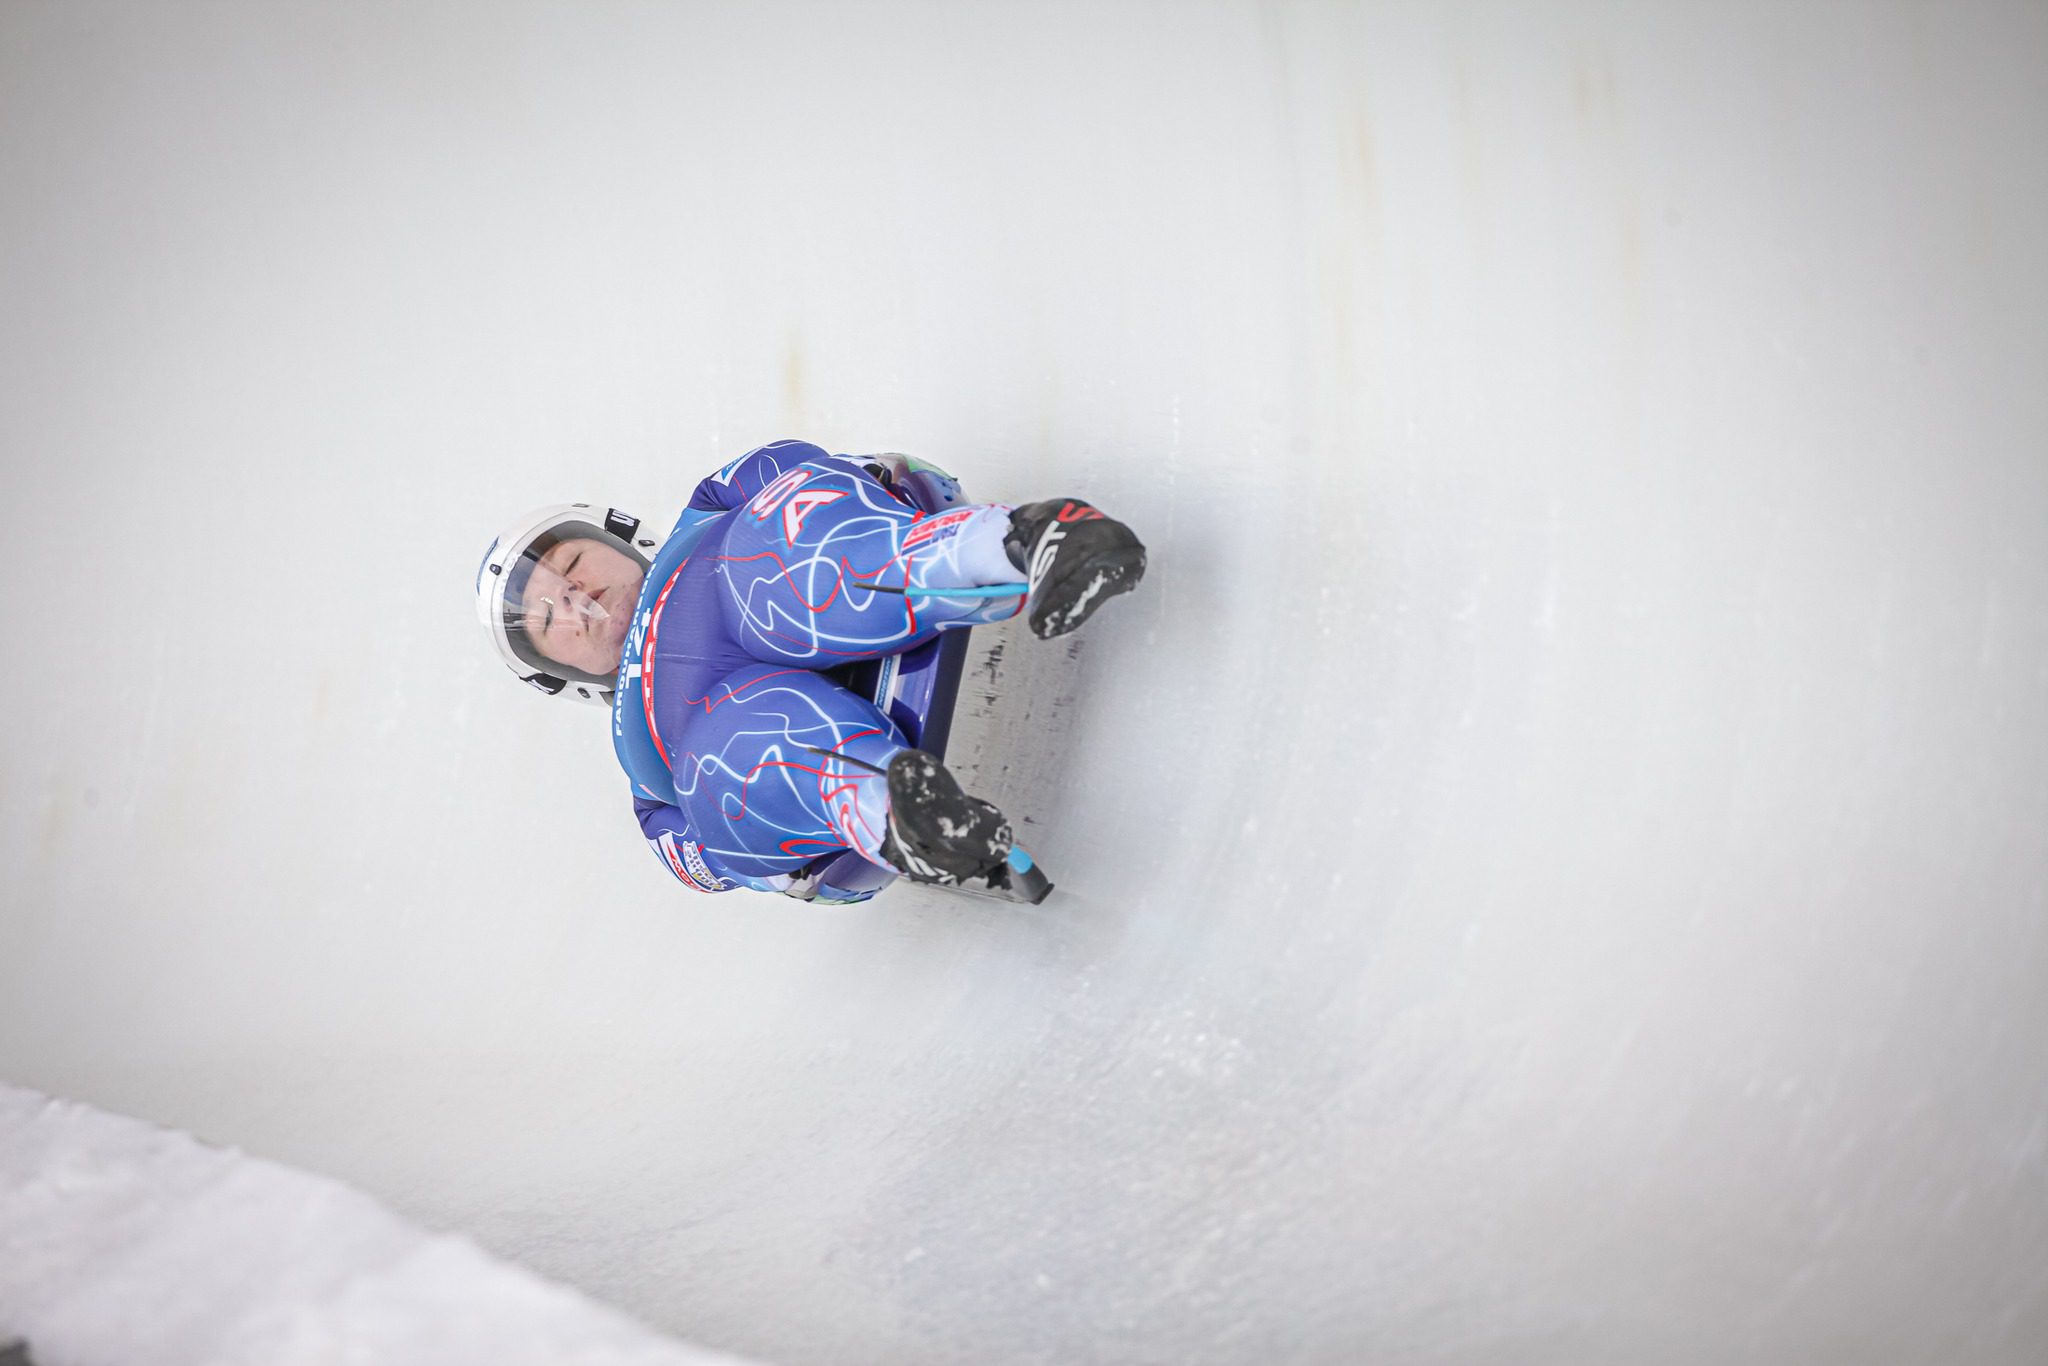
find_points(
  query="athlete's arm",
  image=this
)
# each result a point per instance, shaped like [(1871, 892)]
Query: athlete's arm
[(669, 835)]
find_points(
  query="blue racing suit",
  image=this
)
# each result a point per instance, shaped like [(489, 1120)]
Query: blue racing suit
[(747, 763)]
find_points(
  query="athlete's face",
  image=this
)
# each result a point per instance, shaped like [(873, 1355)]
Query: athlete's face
[(579, 604)]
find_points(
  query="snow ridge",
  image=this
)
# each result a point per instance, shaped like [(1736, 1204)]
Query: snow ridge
[(121, 1242)]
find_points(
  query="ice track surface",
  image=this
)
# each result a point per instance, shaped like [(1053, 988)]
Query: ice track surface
[(1552, 861)]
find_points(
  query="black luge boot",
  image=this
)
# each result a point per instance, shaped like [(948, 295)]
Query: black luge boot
[(937, 833), (1076, 559)]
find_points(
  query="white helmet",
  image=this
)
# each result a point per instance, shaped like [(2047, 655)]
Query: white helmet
[(502, 578)]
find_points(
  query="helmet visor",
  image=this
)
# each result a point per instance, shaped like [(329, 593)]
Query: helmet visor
[(569, 599)]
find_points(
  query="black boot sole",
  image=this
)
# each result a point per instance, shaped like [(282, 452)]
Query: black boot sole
[(1077, 589), (937, 833)]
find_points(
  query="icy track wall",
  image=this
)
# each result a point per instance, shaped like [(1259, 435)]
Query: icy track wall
[(1552, 860)]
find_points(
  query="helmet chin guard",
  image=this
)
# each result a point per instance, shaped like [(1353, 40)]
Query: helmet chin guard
[(510, 563)]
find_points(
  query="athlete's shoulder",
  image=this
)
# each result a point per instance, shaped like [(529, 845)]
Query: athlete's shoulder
[(777, 456), (742, 478)]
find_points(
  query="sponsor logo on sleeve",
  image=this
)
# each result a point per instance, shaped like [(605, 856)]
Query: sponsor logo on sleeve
[(930, 527)]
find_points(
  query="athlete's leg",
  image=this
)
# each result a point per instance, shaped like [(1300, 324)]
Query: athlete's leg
[(790, 767), (756, 791), (826, 566)]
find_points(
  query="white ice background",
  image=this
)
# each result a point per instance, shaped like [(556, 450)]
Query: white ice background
[(1553, 861)]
